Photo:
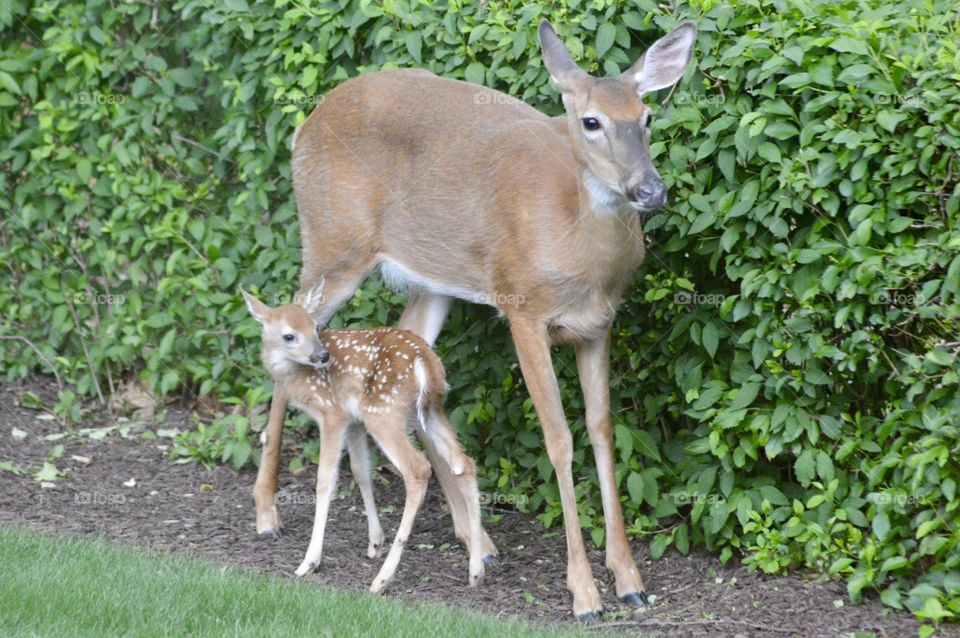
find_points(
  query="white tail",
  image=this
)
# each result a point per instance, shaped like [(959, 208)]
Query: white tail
[(457, 191), (348, 380)]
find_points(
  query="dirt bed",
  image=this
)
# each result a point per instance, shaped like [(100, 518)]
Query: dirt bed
[(131, 492)]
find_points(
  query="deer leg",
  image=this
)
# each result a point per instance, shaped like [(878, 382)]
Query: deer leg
[(424, 314), (331, 447), (265, 488), (593, 365), (390, 433), (478, 544), (533, 350), (339, 285), (459, 500), (359, 453)]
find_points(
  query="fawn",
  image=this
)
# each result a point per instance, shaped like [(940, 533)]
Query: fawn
[(354, 382)]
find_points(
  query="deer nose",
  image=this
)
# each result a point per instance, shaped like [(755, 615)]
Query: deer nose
[(321, 357), (650, 194)]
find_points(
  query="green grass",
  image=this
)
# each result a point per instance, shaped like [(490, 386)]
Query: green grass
[(54, 585)]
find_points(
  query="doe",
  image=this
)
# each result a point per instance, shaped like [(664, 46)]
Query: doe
[(354, 382)]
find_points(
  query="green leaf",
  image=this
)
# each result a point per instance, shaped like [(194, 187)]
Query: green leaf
[(475, 73), (846, 44), (702, 221), (710, 338), (414, 42), (84, 170), (263, 236), (182, 77), (659, 545), (7, 82), (746, 396), (605, 36), (48, 473), (889, 119), (635, 487), (881, 525), (804, 467)]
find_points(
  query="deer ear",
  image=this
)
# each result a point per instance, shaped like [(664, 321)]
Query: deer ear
[(314, 297), (563, 70), (257, 308), (665, 62)]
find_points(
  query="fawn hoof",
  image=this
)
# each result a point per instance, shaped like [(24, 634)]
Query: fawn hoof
[(305, 568), (636, 599), (590, 618), (272, 534), (373, 550), (490, 560), (476, 579)]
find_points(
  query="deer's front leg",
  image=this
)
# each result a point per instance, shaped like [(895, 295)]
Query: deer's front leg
[(265, 489), (331, 447), (593, 365), (533, 350)]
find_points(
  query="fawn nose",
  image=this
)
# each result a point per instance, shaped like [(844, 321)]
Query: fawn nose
[(320, 357), (649, 194)]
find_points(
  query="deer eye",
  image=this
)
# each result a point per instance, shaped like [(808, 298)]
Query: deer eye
[(591, 124), (648, 120), (288, 338)]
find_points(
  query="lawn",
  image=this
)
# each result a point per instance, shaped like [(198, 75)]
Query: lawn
[(56, 585)]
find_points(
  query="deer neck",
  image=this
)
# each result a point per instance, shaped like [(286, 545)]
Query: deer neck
[(598, 199)]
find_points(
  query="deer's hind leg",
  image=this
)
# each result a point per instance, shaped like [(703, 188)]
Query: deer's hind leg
[(359, 453), (463, 483)]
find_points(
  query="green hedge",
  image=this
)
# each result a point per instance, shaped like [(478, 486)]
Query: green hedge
[(785, 375)]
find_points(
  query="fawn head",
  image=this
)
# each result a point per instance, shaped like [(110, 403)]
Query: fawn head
[(608, 122), (290, 334)]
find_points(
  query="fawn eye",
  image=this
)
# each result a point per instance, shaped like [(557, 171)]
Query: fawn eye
[(591, 124), (648, 120), (288, 338)]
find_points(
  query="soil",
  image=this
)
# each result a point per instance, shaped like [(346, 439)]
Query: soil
[(209, 514)]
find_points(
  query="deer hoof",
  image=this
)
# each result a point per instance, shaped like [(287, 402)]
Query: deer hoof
[(272, 534), (636, 599), (490, 560), (589, 618)]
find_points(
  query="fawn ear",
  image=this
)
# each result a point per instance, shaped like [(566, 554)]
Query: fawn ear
[(257, 308), (314, 297)]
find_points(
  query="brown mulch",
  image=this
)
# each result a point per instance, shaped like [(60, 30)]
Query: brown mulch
[(209, 514)]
